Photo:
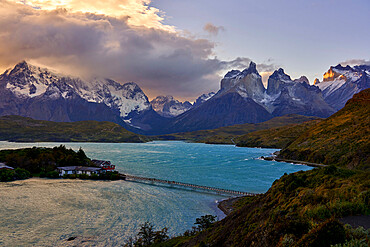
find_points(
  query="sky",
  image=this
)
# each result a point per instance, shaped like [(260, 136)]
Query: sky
[(183, 48)]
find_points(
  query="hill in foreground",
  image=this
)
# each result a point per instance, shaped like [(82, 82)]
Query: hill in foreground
[(300, 209), (23, 129)]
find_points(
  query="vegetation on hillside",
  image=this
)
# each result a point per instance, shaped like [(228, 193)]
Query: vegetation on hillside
[(275, 137), (300, 209), (226, 135), (342, 139), (22, 129)]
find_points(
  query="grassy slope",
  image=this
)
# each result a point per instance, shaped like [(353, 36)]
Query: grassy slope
[(279, 137), (224, 135), (21, 129), (342, 139)]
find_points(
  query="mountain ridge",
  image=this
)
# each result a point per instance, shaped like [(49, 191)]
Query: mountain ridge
[(39, 93), (35, 92)]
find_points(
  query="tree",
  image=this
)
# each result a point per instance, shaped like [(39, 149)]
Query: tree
[(205, 221), (146, 234), (161, 236), (81, 156)]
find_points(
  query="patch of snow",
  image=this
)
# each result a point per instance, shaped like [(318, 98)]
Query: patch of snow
[(128, 121), (176, 110), (206, 97)]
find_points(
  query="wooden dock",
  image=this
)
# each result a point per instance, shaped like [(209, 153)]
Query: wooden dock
[(187, 185)]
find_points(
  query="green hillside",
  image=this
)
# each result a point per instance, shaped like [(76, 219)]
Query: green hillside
[(275, 137), (342, 139), (226, 135), (22, 129)]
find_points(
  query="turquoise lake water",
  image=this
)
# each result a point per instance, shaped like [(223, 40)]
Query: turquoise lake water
[(47, 212)]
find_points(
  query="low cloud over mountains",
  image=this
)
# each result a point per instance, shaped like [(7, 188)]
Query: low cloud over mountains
[(135, 47)]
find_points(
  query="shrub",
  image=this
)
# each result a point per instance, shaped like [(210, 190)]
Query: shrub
[(83, 176), (205, 221), (52, 174), (329, 233), (6, 175), (70, 176), (287, 240), (353, 243), (21, 173)]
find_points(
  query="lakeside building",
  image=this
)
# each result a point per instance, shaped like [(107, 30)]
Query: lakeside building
[(79, 170), (3, 166), (104, 164)]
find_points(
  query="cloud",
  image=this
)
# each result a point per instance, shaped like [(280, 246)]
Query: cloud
[(243, 62), (212, 29), (355, 62), (95, 44), (138, 12)]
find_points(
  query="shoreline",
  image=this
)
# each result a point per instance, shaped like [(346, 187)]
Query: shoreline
[(298, 162), (226, 205)]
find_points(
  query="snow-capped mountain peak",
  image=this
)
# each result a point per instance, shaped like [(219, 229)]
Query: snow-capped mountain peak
[(247, 83), (280, 75), (303, 79), (29, 81), (341, 83), (277, 80), (168, 106)]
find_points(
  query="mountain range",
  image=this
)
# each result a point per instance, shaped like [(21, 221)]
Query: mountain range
[(31, 91)]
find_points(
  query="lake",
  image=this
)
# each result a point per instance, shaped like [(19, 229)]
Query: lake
[(102, 213)]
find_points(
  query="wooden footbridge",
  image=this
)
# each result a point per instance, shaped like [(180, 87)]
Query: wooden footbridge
[(186, 185)]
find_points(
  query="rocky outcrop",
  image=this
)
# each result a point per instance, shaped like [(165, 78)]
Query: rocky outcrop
[(247, 83)]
